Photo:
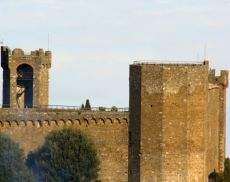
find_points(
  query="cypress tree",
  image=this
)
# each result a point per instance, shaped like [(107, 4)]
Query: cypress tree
[(82, 106), (87, 105)]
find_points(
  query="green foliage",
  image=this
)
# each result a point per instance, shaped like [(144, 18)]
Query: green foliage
[(12, 167), (67, 155), (227, 170), (82, 106), (215, 177), (87, 105), (102, 108), (114, 109), (223, 177)]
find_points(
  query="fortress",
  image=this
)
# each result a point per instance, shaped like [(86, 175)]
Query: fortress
[(174, 130)]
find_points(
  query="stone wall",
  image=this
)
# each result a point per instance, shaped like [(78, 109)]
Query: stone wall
[(135, 127), (180, 119), (217, 98), (213, 131), (108, 130), (175, 130), (39, 60)]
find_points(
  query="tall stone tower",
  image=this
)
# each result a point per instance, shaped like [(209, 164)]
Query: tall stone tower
[(25, 78), (177, 122)]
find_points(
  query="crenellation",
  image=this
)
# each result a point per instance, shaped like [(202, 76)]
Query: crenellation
[(17, 52), (219, 80), (109, 130), (174, 111), (18, 116), (175, 129), (224, 78), (26, 78)]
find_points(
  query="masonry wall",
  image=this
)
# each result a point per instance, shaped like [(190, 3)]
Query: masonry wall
[(108, 130), (184, 116), (175, 131), (217, 115), (152, 145), (180, 113), (197, 115), (135, 127), (39, 60), (213, 131)]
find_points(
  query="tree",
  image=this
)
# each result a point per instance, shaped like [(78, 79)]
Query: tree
[(227, 170), (12, 166), (82, 106), (67, 155), (215, 177), (87, 105)]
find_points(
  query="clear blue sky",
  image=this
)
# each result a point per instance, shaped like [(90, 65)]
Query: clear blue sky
[(94, 41)]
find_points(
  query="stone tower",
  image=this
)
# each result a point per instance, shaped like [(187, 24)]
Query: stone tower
[(177, 122), (25, 78)]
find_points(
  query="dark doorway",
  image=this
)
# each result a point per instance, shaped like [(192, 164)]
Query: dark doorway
[(24, 94)]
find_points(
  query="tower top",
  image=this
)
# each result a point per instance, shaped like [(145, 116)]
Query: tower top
[(25, 77), (165, 62), (37, 56)]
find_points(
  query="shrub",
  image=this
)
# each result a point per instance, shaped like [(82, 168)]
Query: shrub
[(12, 166), (114, 109), (215, 177), (227, 170), (67, 155), (102, 108)]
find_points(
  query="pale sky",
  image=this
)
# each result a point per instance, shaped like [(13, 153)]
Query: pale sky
[(94, 41)]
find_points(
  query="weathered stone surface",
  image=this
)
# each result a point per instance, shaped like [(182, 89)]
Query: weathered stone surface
[(108, 130), (39, 61), (177, 122), (174, 132)]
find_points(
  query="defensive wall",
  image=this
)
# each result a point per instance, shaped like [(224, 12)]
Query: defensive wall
[(174, 130), (27, 118), (177, 122), (107, 129)]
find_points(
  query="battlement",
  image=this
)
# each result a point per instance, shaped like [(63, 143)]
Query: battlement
[(108, 130), (165, 62), (44, 117), (158, 138), (40, 56), (219, 80), (164, 132), (17, 52), (25, 77)]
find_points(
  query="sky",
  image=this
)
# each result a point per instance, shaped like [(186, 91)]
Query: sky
[(94, 41)]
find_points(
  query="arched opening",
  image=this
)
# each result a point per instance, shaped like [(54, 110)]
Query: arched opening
[(24, 95)]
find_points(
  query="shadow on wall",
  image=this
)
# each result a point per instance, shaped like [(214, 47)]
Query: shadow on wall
[(221, 176), (67, 155)]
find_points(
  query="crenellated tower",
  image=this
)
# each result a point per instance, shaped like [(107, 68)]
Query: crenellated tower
[(177, 124), (25, 78), (175, 130)]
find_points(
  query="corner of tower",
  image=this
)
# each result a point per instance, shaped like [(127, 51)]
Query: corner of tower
[(5, 53), (218, 80)]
